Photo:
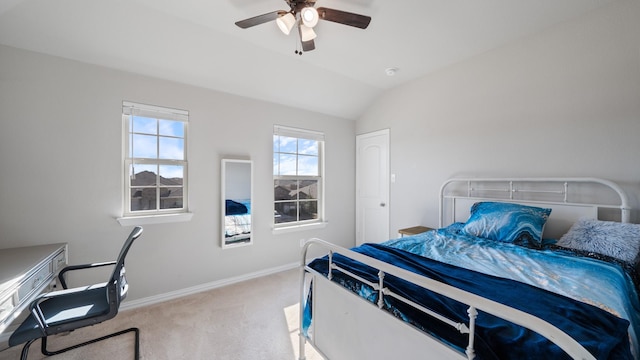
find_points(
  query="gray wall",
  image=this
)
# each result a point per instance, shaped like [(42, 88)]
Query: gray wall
[(565, 102), (60, 172)]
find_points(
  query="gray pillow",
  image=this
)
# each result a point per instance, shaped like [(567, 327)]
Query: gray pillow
[(618, 240)]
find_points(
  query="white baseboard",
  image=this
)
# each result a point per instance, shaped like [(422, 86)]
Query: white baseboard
[(151, 300)]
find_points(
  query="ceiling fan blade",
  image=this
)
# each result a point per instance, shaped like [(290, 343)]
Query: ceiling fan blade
[(343, 17), (260, 19), (308, 45)]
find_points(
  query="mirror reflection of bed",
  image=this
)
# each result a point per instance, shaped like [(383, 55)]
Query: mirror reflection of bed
[(236, 204)]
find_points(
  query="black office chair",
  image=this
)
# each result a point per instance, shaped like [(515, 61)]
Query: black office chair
[(69, 309)]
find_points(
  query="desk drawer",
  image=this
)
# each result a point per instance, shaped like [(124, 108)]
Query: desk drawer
[(38, 280), (59, 262)]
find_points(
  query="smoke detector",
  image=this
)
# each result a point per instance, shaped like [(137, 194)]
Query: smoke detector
[(391, 71)]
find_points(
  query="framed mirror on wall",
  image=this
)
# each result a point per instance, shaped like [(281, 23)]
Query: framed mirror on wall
[(237, 218)]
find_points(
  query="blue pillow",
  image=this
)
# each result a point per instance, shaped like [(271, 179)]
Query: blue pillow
[(614, 239), (507, 222)]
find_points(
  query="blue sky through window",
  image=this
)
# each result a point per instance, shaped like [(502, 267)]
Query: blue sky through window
[(157, 139), (294, 156)]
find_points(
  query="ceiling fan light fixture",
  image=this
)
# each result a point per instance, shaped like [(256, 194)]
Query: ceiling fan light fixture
[(309, 16), (306, 33), (286, 23)]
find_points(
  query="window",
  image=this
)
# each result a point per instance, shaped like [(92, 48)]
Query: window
[(297, 176), (155, 160)]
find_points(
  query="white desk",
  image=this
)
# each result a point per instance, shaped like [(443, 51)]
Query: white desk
[(26, 272)]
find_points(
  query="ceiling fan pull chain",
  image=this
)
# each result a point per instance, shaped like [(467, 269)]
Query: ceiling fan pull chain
[(298, 50)]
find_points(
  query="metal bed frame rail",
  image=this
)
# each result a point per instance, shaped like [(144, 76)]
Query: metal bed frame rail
[(474, 302)]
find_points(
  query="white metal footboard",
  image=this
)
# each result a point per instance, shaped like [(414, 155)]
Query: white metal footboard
[(474, 302)]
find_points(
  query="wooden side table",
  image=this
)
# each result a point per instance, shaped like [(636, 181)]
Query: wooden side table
[(414, 230)]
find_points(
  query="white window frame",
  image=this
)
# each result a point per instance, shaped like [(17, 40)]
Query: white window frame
[(157, 215), (309, 135)]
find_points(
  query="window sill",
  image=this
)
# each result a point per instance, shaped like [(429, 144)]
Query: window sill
[(294, 228), (154, 219)]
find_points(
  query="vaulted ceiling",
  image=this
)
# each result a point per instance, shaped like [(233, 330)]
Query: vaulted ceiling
[(196, 42)]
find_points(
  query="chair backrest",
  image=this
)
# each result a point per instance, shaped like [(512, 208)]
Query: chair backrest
[(117, 287)]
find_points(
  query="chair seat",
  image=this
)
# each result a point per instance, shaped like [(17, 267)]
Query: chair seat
[(88, 304)]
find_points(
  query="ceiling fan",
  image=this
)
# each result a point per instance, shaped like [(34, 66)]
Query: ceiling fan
[(304, 14)]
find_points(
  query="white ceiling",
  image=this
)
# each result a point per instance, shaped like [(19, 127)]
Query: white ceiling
[(196, 42)]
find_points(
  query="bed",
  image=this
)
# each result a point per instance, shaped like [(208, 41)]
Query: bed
[(237, 221), (518, 268)]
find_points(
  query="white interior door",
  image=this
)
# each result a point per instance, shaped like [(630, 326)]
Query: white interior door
[(372, 187)]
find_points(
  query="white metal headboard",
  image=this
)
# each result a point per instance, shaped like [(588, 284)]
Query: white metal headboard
[(569, 199)]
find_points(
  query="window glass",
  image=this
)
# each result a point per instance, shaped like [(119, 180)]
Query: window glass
[(309, 147), (308, 165), (143, 125), (171, 148), (155, 159), (297, 177), (144, 146), (171, 128)]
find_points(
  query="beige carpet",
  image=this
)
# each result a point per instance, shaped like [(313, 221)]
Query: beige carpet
[(256, 319)]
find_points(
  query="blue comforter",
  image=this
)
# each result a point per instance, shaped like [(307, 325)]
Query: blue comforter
[(601, 332), (604, 284)]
